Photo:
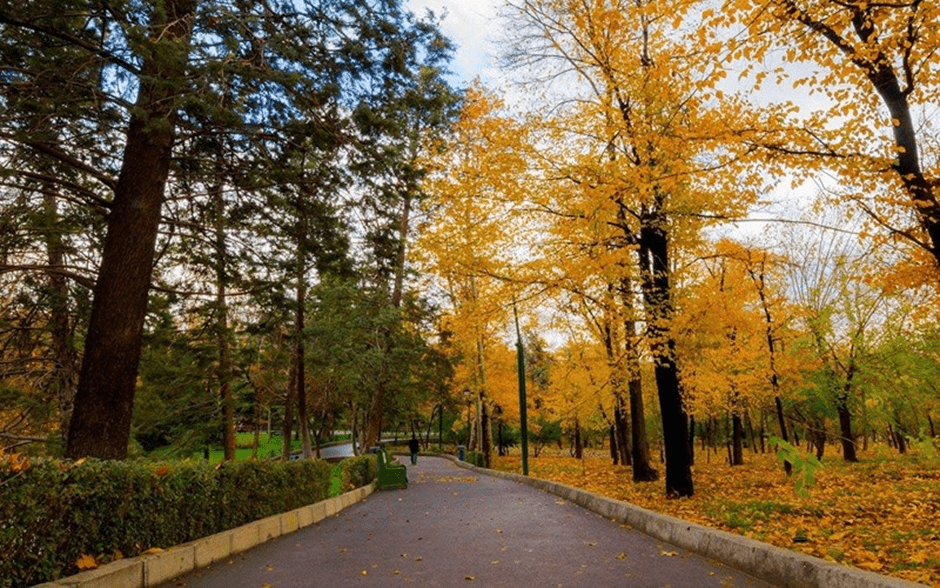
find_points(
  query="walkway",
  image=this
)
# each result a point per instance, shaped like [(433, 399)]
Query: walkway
[(452, 527)]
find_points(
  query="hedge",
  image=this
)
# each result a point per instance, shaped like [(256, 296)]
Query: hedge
[(358, 471), (54, 512)]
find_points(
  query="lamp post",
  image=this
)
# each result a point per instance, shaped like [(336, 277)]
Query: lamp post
[(522, 399)]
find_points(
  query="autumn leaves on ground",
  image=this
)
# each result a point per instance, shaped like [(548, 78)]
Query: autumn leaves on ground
[(882, 514)]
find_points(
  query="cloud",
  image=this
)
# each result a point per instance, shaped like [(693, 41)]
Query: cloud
[(471, 25)]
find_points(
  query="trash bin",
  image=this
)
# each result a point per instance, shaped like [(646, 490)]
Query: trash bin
[(461, 452)]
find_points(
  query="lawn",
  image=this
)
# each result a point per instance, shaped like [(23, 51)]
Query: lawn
[(267, 447), (882, 514)]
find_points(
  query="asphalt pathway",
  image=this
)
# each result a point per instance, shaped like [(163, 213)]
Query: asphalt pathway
[(452, 527)]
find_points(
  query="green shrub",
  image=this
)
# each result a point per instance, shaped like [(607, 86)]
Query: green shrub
[(475, 458), (53, 512), (357, 471)]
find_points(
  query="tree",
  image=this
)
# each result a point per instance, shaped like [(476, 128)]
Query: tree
[(873, 59), (246, 88), (101, 421), (649, 148), (845, 313), (466, 240), (399, 119)]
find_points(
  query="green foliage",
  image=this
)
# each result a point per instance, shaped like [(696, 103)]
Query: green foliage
[(358, 471), (928, 447), (54, 512), (805, 465), (474, 458), (544, 431)]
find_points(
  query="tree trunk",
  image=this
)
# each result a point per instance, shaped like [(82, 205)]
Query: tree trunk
[(373, 423), (899, 433), (782, 423), (373, 430), (643, 471), (257, 438), (907, 166), (654, 259), (224, 368), (818, 436), (578, 441), (104, 399), (845, 427), (288, 426), (737, 436), (299, 357), (353, 436), (60, 321), (620, 426), (614, 452), (487, 435), (760, 283), (751, 434)]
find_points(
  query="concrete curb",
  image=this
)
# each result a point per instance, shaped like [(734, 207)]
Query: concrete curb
[(778, 566), (153, 569)]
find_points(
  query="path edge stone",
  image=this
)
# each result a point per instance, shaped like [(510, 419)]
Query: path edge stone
[(152, 569), (776, 565)]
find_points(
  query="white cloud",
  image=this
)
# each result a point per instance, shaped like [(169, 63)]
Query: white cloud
[(470, 24)]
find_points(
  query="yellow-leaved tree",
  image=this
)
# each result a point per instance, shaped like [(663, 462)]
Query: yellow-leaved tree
[(466, 242), (733, 323), (866, 83), (638, 145)]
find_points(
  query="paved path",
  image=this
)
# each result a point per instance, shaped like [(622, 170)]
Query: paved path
[(452, 527)]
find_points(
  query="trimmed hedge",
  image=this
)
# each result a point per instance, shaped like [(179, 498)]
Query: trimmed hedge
[(53, 512), (356, 472)]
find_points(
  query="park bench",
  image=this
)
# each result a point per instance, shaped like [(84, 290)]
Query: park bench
[(391, 474)]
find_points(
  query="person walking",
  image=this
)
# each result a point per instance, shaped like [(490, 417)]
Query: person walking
[(413, 447)]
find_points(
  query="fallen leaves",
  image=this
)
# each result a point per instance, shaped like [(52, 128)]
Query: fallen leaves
[(882, 514), (86, 562), (466, 479)]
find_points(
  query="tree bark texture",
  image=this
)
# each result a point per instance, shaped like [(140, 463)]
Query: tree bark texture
[(104, 399), (654, 261), (224, 368), (643, 471), (298, 359), (737, 440)]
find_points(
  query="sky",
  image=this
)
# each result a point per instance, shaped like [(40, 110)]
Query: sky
[(471, 25)]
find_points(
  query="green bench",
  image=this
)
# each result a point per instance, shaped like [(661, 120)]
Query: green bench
[(391, 473)]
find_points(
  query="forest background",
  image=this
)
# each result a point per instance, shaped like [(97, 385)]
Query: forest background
[(221, 216)]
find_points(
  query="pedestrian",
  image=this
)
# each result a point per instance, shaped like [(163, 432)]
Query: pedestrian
[(413, 447)]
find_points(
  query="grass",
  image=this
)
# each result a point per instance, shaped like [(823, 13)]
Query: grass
[(882, 514), (267, 447)]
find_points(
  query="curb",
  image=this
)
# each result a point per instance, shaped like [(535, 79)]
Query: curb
[(776, 565), (149, 570)]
